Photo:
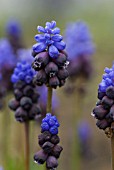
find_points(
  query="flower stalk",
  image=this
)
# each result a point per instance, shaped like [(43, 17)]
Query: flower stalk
[(26, 125), (112, 150), (49, 100)]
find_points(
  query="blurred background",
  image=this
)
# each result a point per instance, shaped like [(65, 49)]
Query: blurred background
[(99, 15)]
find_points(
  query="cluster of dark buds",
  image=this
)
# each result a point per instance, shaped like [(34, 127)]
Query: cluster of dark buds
[(104, 110), (48, 141), (50, 59), (25, 103), (51, 71)]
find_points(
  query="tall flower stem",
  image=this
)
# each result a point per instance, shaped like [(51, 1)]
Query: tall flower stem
[(112, 148), (49, 100), (26, 124)]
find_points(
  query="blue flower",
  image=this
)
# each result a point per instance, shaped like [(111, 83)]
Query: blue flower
[(79, 40), (50, 123), (13, 28), (107, 79), (23, 72), (7, 58), (49, 39)]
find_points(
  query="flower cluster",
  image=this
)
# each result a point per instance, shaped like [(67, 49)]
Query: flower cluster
[(2, 92), (7, 62), (23, 72), (79, 40), (50, 63), (6, 54), (104, 110), (51, 72), (14, 34), (107, 79), (25, 103), (50, 40), (48, 141), (79, 47), (13, 28), (50, 123)]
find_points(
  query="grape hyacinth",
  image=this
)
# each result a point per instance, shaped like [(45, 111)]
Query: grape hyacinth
[(14, 34), (104, 110), (6, 68), (51, 63), (50, 59), (80, 48), (48, 141), (25, 103)]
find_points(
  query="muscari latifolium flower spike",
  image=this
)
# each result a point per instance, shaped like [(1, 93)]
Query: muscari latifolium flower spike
[(80, 48), (25, 101), (104, 110), (14, 34), (49, 143), (50, 59), (7, 63)]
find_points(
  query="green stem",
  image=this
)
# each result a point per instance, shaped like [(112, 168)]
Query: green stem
[(112, 149), (49, 100), (26, 145)]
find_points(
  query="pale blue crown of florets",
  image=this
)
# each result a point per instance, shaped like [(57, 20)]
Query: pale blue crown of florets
[(7, 58), (13, 28), (50, 123), (49, 39), (23, 72), (25, 55), (79, 40), (107, 79)]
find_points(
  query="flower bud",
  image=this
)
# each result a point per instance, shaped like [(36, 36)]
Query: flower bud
[(42, 138), (111, 113), (40, 78), (35, 97), (26, 103), (106, 102), (62, 82), (13, 104), (55, 139), (18, 94), (62, 74), (110, 92), (34, 111), (101, 95), (40, 157), (41, 60), (47, 147), (54, 82), (51, 69), (19, 85), (102, 124), (99, 112), (112, 125), (34, 53), (28, 91), (57, 151), (60, 60), (98, 103), (51, 162), (21, 115)]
